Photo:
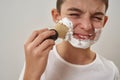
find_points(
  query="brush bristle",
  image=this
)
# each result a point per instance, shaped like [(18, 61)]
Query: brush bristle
[(61, 29)]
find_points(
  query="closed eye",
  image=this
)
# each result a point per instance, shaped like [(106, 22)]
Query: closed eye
[(97, 18), (74, 15)]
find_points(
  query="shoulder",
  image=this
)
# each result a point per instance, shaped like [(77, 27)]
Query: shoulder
[(106, 62), (110, 65)]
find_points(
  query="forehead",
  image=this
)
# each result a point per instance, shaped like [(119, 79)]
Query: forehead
[(84, 5)]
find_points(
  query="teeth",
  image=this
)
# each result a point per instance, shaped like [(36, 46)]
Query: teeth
[(84, 37), (90, 35)]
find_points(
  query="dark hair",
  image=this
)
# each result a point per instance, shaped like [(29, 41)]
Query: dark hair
[(60, 2)]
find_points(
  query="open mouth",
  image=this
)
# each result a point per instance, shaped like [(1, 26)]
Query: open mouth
[(83, 37)]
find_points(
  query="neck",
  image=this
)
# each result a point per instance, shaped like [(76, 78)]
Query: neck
[(75, 55)]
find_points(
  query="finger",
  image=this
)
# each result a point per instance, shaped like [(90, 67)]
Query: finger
[(46, 44), (34, 35), (47, 50), (44, 48), (41, 37)]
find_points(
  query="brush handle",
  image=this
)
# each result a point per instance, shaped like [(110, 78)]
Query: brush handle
[(54, 37)]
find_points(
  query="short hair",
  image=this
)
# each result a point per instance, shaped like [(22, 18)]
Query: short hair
[(60, 2)]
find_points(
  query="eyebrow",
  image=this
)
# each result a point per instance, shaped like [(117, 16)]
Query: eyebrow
[(99, 13), (75, 9), (80, 11)]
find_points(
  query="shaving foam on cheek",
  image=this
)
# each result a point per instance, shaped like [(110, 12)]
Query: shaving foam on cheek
[(66, 22), (84, 44), (97, 33), (78, 43)]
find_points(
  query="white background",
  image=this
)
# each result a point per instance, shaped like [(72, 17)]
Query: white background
[(18, 18)]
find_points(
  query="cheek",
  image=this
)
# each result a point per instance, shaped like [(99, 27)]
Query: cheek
[(74, 21), (98, 25)]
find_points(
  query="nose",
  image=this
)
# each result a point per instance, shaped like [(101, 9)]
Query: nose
[(85, 23)]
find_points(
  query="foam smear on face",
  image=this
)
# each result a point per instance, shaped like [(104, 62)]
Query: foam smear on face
[(78, 43), (66, 22)]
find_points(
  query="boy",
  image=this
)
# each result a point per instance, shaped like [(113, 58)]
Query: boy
[(66, 60)]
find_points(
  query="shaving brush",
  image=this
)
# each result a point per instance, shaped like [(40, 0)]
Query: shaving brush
[(61, 29)]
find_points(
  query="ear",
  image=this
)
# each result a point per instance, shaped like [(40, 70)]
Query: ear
[(55, 15), (105, 20)]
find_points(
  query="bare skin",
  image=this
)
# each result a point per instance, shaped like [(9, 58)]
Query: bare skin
[(75, 55), (36, 53), (86, 15)]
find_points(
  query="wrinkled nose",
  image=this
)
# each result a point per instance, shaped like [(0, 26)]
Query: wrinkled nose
[(85, 24)]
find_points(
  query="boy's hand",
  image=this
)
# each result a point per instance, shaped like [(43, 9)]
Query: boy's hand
[(37, 49)]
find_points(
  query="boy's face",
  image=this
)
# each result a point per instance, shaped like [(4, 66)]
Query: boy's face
[(86, 15)]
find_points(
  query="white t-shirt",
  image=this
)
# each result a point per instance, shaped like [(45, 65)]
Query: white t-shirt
[(59, 69)]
